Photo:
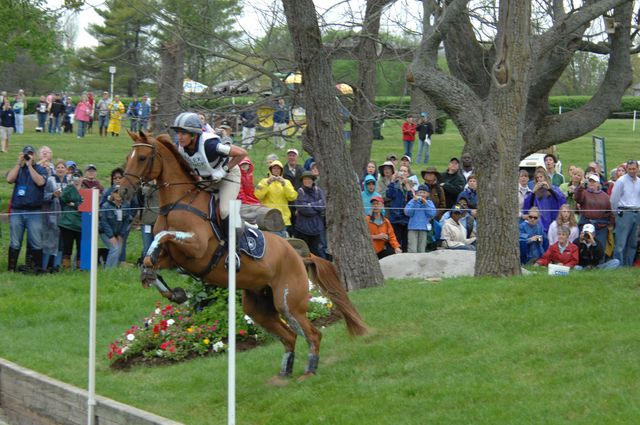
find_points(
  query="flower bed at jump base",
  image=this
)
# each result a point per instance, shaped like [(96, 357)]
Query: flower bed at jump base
[(197, 328)]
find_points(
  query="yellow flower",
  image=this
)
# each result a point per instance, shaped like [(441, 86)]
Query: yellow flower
[(206, 341), (190, 329)]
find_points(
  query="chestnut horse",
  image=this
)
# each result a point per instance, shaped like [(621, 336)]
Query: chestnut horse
[(274, 286)]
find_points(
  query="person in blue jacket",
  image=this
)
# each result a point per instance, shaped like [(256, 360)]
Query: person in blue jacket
[(368, 192), (400, 192), (420, 211), (310, 208), (115, 219), (533, 240)]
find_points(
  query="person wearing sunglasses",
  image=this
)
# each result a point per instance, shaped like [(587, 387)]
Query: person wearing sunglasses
[(533, 241)]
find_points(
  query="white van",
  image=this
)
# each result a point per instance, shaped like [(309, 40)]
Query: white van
[(536, 160)]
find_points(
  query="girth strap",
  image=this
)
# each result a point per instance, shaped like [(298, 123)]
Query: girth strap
[(166, 209)]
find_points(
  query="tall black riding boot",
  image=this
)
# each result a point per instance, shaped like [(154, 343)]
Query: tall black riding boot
[(28, 260), (37, 261), (13, 259)]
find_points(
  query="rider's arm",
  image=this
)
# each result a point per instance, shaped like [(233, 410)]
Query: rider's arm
[(236, 154)]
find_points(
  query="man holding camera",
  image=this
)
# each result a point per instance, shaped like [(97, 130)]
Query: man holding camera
[(591, 252), (29, 179)]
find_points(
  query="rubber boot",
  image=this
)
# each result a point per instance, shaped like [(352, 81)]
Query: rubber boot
[(13, 259), (36, 261), (28, 261)]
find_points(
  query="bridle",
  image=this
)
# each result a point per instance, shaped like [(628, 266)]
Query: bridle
[(148, 167)]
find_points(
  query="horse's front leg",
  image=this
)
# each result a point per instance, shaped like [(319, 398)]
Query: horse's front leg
[(149, 276), (190, 244)]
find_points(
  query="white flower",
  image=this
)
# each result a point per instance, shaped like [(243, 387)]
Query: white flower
[(218, 346), (157, 311), (159, 353), (124, 349), (170, 322), (131, 337), (319, 300), (248, 320)]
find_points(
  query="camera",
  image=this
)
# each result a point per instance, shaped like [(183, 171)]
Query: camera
[(27, 157)]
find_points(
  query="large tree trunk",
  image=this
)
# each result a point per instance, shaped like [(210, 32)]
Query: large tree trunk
[(169, 87), (348, 235), (364, 111)]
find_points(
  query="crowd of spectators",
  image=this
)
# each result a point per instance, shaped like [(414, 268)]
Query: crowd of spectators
[(404, 212)]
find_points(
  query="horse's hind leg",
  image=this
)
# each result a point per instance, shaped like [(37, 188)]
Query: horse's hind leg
[(261, 309), (292, 303)]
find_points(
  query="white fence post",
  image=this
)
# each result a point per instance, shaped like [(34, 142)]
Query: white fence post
[(234, 223)]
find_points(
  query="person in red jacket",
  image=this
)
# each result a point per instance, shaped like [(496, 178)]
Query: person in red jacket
[(563, 252), (408, 135), (246, 194)]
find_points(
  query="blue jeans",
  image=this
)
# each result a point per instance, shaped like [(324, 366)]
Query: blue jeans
[(42, 119), (135, 124), (82, 128), (28, 220), (113, 256), (408, 147), (54, 124), (104, 121), (19, 123), (626, 237), (147, 238), (423, 146)]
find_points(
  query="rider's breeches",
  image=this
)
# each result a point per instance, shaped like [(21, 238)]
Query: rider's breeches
[(228, 190)]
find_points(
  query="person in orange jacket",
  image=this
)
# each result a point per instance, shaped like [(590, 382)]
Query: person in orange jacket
[(383, 237)]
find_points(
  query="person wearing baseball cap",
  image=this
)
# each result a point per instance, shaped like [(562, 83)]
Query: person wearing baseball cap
[(454, 234), (90, 180), (421, 211), (431, 178), (452, 182), (383, 237), (595, 208), (29, 179), (591, 253), (292, 170)]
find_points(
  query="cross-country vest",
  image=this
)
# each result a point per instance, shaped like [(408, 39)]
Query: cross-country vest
[(199, 161)]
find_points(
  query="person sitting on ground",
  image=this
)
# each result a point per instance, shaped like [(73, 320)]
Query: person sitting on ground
[(591, 253), (454, 235), (566, 217), (383, 237), (562, 253), (533, 241), (420, 211)]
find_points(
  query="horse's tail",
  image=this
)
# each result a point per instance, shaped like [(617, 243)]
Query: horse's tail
[(324, 274)]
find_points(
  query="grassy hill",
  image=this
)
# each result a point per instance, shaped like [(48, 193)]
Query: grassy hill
[(532, 349)]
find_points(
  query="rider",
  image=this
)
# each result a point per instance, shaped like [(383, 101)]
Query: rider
[(214, 162)]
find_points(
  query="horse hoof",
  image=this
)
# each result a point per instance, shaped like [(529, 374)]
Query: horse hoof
[(147, 261), (306, 376), (278, 381), (179, 296)]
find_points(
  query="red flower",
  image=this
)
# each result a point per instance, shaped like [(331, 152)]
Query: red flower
[(242, 332), (156, 329)]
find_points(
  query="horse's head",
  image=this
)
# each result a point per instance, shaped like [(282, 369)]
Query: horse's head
[(141, 166)]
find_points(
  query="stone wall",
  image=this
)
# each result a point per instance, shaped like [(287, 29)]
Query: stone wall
[(30, 398)]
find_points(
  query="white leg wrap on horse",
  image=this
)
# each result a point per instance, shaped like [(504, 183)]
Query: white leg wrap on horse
[(155, 245)]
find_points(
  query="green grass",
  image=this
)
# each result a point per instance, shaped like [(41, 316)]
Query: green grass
[(538, 349)]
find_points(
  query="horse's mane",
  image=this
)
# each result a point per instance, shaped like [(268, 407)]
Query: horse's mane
[(166, 141)]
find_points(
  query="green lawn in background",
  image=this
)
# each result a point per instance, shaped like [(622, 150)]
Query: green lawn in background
[(525, 350)]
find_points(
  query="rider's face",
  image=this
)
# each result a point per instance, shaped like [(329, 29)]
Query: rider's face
[(185, 139)]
